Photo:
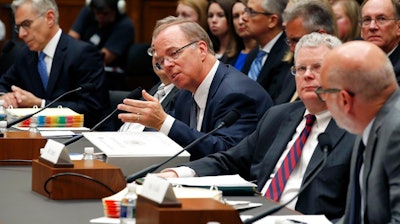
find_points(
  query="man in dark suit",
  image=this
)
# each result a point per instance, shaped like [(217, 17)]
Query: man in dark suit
[(210, 90), (263, 20), (364, 98), (380, 25), (65, 64), (258, 156)]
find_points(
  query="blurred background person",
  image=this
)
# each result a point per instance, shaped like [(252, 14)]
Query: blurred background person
[(104, 24), (246, 43), (347, 14), (221, 31), (193, 10)]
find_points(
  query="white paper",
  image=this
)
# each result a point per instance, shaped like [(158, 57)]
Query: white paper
[(286, 219), (55, 134), (219, 181)]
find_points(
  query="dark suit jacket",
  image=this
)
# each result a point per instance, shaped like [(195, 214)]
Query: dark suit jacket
[(255, 157), (229, 90), (395, 59), (274, 71), (75, 63), (381, 179)]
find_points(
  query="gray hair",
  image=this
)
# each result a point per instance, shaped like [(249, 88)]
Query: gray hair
[(315, 39), (275, 6), (39, 6), (316, 15), (192, 30)]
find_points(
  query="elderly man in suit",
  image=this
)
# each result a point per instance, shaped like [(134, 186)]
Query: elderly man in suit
[(51, 64), (261, 155), (264, 64), (364, 98), (210, 90)]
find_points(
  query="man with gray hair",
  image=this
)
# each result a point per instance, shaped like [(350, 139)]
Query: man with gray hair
[(51, 64), (261, 155)]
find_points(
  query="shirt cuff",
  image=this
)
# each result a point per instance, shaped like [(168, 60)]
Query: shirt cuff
[(182, 171), (43, 104), (167, 125)]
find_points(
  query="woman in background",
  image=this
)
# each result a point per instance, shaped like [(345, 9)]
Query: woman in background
[(193, 10), (347, 14)]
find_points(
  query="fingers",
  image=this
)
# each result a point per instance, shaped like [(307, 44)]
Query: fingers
[(10, 100)]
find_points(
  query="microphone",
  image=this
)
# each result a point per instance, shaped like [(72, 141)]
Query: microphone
[(325, 144), (226, 121), (86, 87), (135, 94)]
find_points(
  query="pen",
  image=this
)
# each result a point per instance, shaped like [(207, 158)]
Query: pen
[(296, 221)]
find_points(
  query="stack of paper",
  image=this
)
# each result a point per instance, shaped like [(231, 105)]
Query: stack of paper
[(50, 117)]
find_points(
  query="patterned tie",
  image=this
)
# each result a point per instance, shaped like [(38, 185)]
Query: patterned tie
[(160, 92), (257, 65), (355, 201), (277, 185), (42, 69), (193, 114)]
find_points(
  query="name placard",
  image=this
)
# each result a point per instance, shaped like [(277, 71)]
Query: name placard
[(158, 190), (56, 153)]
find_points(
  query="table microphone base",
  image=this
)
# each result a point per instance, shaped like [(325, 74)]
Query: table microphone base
[(20, 145), (70, 183), (192, 210)]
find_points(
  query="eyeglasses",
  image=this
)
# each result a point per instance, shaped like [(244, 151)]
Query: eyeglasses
[(379, 21), (302, 69), (293, 40), (251, 12), (159, 65), (321, 92), (26, 24)]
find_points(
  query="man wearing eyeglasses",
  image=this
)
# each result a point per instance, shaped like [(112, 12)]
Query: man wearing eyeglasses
[(209, 91), (51, 64), (360, 89), (261, 155), (380, 25), (263, 21)]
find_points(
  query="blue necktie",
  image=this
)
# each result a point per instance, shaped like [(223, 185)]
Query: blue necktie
[(193, 114), (355, 202), (257, 65), (42, 69)]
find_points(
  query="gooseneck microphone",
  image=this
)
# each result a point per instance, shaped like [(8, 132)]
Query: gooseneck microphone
[(86, 87), (325, 144), (135, 94), (226, 121)]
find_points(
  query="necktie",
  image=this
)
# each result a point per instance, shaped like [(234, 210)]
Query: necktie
[(193, 114), (160, 92), (355, 202), (256, 66), (278, 182), (42, 69)]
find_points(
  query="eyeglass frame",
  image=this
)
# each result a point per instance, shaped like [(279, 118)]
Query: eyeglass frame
[(251, 12), (171, 57), (294, 40), (293, 69), (379, 21), (27, 26), (321, 90)]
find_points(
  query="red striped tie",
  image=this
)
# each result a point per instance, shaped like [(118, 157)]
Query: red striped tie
[(278, 183)]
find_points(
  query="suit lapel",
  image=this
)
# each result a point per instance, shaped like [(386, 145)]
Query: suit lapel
[(56, 66)]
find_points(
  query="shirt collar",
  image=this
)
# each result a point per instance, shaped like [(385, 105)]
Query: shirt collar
[(201, 94), (50, 48), (267, 48)]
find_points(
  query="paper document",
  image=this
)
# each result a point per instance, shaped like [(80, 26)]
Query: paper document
[(218, 181), (291, 219)]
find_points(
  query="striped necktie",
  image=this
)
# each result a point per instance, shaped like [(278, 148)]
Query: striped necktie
[(42, 69), (278, 182), (355, 196), (256, 66), (160, 92)]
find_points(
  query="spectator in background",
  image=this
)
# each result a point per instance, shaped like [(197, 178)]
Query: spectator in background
[(222, 33), (347, 14), (247, 43), (303, 17), (193, 10), (104, 24), (210, 90), (380, 25), (52, 63), (264, 64)]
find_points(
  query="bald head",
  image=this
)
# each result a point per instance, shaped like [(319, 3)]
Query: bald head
[(359, 67)]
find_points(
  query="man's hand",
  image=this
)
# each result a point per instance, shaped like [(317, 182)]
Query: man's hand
[(148, 113), (20, 98), (167, 174)]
